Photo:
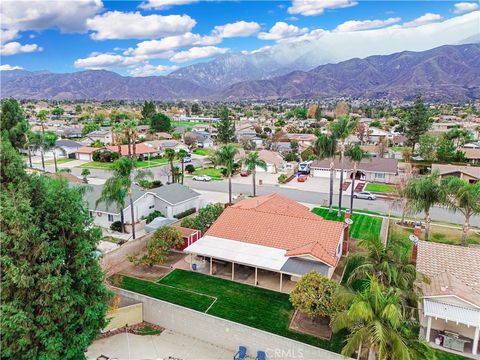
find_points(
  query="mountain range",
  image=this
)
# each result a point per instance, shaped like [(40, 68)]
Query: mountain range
[(450, 72)]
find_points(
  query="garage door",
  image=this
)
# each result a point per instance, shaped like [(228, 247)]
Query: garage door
[(321, 172), (84, 157)]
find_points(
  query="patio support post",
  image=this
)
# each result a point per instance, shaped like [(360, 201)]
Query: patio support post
[(429, 327), (475, 340), (256, 276), (233, 271), (281, 281), (211, 261)]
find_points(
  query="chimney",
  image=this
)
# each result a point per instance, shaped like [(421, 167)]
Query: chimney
[(346, 234), (415, 237)]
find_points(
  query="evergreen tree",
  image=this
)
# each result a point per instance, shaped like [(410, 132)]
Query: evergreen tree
[(13, 123), (195, 110), (418, 122), (148, 109), (53, 299), (160, 123), (225, 127)]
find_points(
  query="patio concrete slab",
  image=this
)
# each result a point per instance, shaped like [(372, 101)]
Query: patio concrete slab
[(168, 343)]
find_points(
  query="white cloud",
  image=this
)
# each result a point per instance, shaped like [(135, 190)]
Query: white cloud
[(237, 29), (282, 30), (159, 48), (423, 20), (356, 25), (68, 16), (7, 35), (120, 25), (165, 4), (15, 47), (6, 67), (104, 61), (317, 7), (150, 70), (197, 53), (464, 7)]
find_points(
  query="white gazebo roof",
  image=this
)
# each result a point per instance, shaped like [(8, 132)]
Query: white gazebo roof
[(239, 252), (450, 312)]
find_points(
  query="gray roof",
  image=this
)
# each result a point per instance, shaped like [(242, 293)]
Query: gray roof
[(301, 267), (370, 164), (158, 223), (67, 143), (172, 194)]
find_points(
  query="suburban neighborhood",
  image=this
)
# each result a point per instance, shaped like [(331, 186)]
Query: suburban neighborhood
[(262, 203)]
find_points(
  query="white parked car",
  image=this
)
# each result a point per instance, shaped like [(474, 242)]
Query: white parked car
[(187, 158), (202, 178), (364, 195)]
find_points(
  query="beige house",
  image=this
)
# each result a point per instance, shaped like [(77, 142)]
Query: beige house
[(468, 173), (273, 160), (449, 308)]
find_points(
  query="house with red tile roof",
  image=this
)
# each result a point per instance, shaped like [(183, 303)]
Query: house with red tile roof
[(269, 234)]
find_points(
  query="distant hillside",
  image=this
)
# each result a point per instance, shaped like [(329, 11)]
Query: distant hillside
[(444, 73), (95, 85)]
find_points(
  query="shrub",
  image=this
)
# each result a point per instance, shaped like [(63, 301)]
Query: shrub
[(153, 215), (282, 179), (105, 156), (190, 169), (116, 226), (189, 222), (146, 184), (185, 213)]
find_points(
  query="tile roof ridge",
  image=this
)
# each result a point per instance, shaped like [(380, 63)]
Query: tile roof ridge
[(317, 218)]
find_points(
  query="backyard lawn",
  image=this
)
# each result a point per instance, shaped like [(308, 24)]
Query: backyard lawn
[(59, 161), (380, 188), (259, 308), (187, 123), (140, 164), (214, 173), (203, 152), (363, 227)]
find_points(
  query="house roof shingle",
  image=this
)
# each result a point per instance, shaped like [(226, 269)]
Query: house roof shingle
[(371, 164), (445, 169), (277, 222)]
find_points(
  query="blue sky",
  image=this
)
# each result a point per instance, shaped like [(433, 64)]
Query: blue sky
[(153, 37)]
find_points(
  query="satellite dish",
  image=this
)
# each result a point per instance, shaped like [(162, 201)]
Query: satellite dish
[(348, 221), (414, 239)]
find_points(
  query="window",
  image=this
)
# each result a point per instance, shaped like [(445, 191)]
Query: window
[(110, 218), (380, 175), (91, 213), (151, 206)]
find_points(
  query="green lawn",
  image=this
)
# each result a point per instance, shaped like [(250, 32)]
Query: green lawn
[(203, 152), (187, 123), (259, 308), (443, 355), (363, 227), (140, 164), (59, 161), (379, 188), (214, 173)]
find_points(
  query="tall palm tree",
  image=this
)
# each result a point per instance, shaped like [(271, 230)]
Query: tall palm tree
[(341, 129), (251, 162), (117, 136), (325, 147), (423, 193), (355, 154), (226, 157), (130, 132), (463, 197), (170, 155), (182, 154), (113, 193), (124, 175), (42, 117), (49, 141), (377, 326), (36, 141)]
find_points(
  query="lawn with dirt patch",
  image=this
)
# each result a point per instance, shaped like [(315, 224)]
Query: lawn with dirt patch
[(379, 188), (363, 227), (252, 306)]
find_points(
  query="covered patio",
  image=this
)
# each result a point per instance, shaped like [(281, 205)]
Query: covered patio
[(250, 264), (451, 327)]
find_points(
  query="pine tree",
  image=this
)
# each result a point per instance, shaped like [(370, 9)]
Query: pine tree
[(418, 122), (225, 127), (148, 109)]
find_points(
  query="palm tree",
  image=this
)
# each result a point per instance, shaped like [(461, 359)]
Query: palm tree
[(36, 141), (121, 183), (170, 155), (423, 193), (130, 132), (113, 193), (355, 154), (464, 197), (85, 173), (42, 116), (49, 141), (226, 157), (375, 321), (117, 136), (182, 154), (251, 162), (341, 129), (28, 136), (325, 147)]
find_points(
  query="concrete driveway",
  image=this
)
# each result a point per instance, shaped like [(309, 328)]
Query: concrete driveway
[(168, 343)]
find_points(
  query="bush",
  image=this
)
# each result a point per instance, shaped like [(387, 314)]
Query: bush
[(105, 156), (153, 215), (282, 179), (149, 184), (116, 226), (189, 222), (185, 213), (190, 169)]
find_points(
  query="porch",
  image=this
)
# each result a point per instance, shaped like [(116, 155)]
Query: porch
[(436, 341)]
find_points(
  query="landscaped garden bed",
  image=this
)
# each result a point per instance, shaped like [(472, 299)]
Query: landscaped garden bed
[(252, 306), (363, 227)]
